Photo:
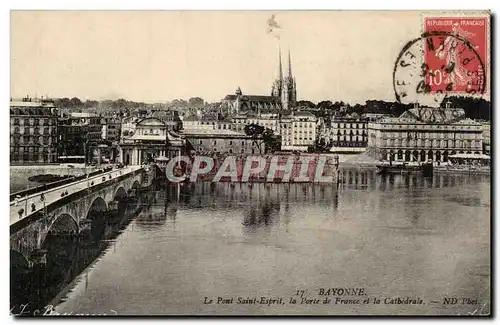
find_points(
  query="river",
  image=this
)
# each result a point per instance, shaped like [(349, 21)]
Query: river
[(393, 236)]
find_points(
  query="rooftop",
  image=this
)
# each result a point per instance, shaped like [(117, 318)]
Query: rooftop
[(303, 114), (213, 133), (255, 98), (83, 114), (34, 103)]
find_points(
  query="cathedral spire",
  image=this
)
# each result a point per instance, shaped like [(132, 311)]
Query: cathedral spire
[(280, 72), (289, 65)]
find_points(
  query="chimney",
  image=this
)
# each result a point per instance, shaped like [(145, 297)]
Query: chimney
[(415, 105)]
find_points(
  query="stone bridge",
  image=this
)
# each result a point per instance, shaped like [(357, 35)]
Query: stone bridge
[(68, 209)]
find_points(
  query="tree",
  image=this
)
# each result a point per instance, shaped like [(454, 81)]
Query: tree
[(178, 103), (75, 102), (254, 129), (261, 135), (323, 105), (196, 102), (90, 103), (475, 108), (306, 103)]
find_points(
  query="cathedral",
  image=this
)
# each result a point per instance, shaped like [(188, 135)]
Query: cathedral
[(285, 88), (283, 95)]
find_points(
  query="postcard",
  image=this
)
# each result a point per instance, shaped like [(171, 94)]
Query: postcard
[(250, 163)]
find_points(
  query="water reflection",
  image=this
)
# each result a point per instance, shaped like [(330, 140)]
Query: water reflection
[(364, 178)]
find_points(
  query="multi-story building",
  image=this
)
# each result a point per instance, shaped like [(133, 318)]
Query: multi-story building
[(79, 134), (421, 134), (297, 129), (110, 134), (111, 129), (205, 141), (33, 132), (194, 122), (486, 137), (347, 134)]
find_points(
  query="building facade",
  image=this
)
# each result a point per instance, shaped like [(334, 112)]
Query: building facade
[(239, 102), (347, 134), (33, 132), (423, 134), (486, 137), (151, 139), (111, 129), (297, 129), (80, 134), (223, 142)]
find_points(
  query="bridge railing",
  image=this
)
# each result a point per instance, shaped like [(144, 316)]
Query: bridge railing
[(55, 184)]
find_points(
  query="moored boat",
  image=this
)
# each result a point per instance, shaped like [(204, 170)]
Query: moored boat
[(466, 164), (404, 168)]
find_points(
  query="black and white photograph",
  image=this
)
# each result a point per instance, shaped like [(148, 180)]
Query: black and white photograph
[(250, 163)]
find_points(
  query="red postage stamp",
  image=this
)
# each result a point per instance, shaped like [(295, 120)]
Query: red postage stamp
[(456, 54)]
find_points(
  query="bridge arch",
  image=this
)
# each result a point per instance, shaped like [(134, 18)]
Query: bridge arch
[(97, 207), (63, 224), (120, 193)]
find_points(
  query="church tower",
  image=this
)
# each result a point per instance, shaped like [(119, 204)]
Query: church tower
[(277, 86), (289, 88)]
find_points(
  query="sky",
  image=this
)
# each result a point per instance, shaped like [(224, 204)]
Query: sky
[(158, 56)]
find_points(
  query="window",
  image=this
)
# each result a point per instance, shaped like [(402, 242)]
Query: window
[(230, 142), (36, 131), (36, 122), (26, 122), (16, 121), (16, 130), (215, 142), (26, 139)]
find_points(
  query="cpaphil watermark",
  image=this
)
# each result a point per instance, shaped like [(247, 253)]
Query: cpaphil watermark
[(319, 169)]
